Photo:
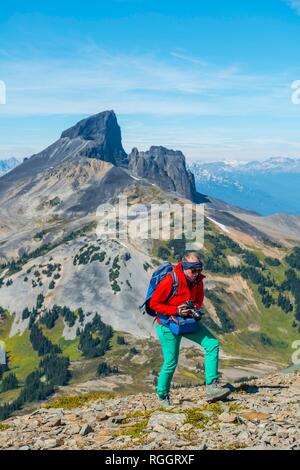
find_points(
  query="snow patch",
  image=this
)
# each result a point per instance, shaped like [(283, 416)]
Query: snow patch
[(223, 227), (135, 178)]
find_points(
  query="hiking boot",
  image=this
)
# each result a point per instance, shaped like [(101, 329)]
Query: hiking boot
[(215, 392), (165, 402)]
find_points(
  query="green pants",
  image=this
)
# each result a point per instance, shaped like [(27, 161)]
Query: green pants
[(170, 345)]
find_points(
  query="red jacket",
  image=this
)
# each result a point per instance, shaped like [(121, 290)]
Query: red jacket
[(184, 293)]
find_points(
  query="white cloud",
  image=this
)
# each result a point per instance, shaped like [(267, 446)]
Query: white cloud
[(295, 4), (189, 58), (210, 144), (147, 84), (160, 89)]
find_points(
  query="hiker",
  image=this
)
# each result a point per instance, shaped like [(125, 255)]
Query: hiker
[(189, 287)]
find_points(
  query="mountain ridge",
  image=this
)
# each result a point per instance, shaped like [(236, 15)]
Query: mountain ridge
[(8, 164), (99, 137)]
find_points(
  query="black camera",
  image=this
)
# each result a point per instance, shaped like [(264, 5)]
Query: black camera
[(195, 313)]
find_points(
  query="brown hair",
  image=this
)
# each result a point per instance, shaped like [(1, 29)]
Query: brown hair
[(191, 255)]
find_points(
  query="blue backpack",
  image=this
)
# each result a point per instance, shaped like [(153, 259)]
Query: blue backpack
[(175, 323), (159, 274)]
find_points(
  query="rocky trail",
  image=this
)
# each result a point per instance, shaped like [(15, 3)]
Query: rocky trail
[(260, 414)]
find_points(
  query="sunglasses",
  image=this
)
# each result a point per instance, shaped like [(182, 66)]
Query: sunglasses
[(196, 271)]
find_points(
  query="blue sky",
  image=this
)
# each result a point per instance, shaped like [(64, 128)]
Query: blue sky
[(209, 77)]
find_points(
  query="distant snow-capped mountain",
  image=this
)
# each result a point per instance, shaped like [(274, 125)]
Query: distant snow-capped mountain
[(276, 164), (7, 165), (281, 164), (267, 187)]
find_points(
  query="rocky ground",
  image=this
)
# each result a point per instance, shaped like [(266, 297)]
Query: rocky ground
[(262, 413)]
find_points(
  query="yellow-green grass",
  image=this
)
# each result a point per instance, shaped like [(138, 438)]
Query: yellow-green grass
[(278, 272), (192, 375), (273, 321), (4, 427), (208, 245), (119, 356), (22, 358), (259, 253), (54, 334), (69, 347), (84, 370), (248, 345), (197, 417), (9, 395), (136, 430), (269, 320), (77, 401)]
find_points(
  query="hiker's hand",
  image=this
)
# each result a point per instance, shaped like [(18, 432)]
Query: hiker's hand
[(183, 311)]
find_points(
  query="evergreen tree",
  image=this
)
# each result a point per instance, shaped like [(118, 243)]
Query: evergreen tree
[(10, 382), (56, 369), (121, 340), (105, 369), (40, 343)]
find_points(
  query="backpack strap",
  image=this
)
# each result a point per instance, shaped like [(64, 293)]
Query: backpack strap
[(172, 293), (174, 286)]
